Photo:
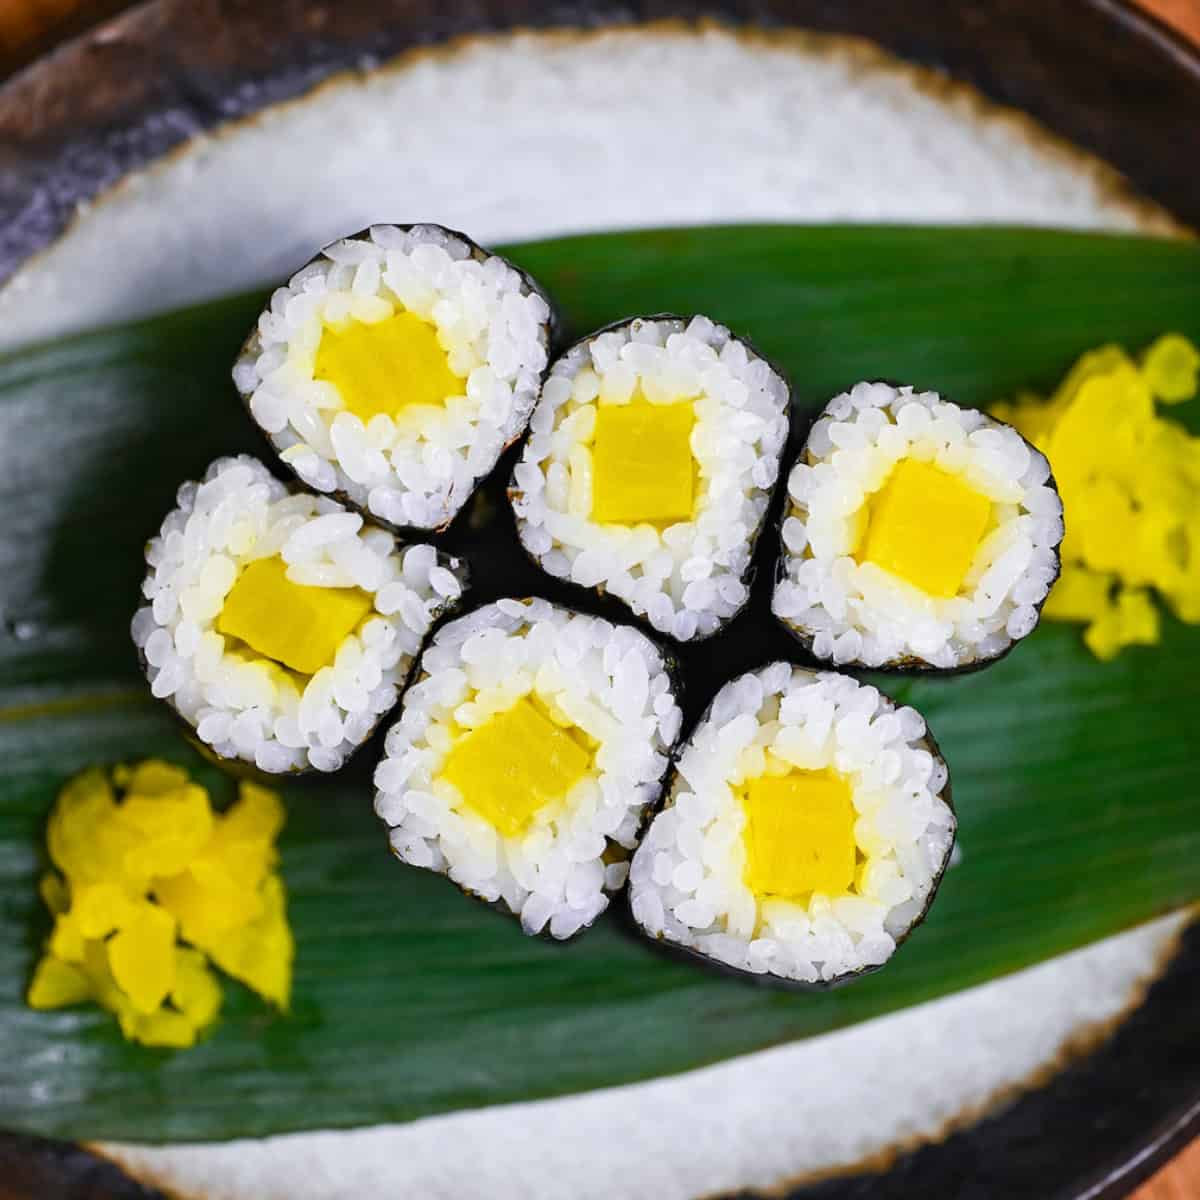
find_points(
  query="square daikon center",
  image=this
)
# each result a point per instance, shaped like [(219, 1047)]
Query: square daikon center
[(386, 365), (642, 464), (799, 835), (925, 525), (514, 764), (296, 625)]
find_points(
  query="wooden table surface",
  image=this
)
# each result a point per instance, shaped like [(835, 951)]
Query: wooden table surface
[(27, 27)]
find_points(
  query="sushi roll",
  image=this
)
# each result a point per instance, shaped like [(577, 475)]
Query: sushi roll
[(806, 826), (918, 535), (652, 456), (393, 370), (278, 625), (526, 757)]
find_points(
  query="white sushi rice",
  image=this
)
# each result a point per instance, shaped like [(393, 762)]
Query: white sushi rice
[(689, 578), (231, 697), (686, 880), (514, 107), (608, 680), (856, 612), (418, 469)]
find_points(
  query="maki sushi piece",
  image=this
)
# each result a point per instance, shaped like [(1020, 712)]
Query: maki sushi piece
[(917, 535), (653, 452), (279, 625), (394, 369), (526, 756), (806, 825)]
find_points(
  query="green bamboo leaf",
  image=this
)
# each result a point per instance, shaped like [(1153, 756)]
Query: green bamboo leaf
[(1075, 780)]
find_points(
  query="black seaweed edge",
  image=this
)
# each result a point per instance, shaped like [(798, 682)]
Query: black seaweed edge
[(767, 979), (513, 491), (674, 672), (908, 667), (551, 329), (241, 768)]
